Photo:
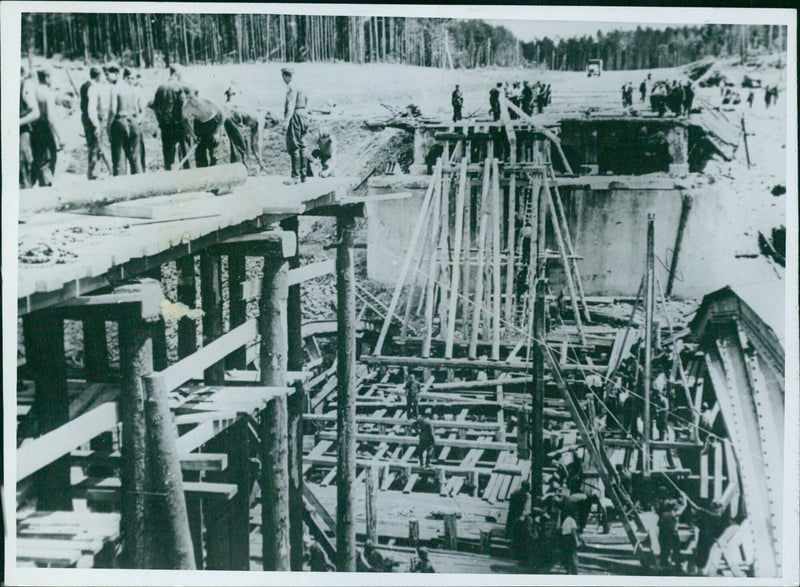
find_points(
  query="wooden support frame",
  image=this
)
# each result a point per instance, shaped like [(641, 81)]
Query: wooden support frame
[(457, 246), (479, 287)]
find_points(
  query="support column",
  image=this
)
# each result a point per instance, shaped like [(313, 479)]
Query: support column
[(95, 348), (44, 352), (648, 341), (187, 329), (160, 361), (296, 357), (136, 361), (274, 428), (537, 405), (237, 273), (346, 402), (211, 299)]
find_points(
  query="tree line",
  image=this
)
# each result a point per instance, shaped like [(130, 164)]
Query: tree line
[(648, 48), (154, 40)]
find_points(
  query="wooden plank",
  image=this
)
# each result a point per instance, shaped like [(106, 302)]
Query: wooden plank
[(718, 457), (192, 367), (36, 454), (413, 440), (412, 480), (456, 272)]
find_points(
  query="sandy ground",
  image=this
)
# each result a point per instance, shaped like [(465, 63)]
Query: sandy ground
[(343, 96)]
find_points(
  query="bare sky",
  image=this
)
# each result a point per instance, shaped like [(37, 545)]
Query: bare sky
[(528, 30)]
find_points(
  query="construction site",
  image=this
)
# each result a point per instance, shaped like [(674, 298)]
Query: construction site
[(220, 371)]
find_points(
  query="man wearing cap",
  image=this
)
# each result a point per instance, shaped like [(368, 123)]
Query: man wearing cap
[(45, 139), (90, 117), (457, 101), (421, 564), (167, 107), (123, 124), (296, 125), (28, 112), (203, 120)]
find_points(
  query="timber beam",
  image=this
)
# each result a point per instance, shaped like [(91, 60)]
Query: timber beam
[(281, 244), (147, 294), (479, 364)]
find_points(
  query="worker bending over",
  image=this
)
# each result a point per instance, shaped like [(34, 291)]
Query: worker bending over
[(203, 121)]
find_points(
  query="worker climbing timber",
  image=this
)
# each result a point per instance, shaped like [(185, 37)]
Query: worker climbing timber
[(295, 124)]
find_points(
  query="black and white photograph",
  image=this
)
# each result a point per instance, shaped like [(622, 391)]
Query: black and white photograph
[(501, 293)]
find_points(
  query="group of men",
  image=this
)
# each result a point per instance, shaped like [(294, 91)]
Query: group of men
[(112, 111), (673, 95), (524, 96)]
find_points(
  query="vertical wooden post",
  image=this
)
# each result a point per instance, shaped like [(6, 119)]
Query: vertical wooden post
[(211, 299), (648, 341), (413, 533), (450, 531), (479, 287), (95, 349), (456, 273), (537, 405), (186, 294), (523, 435), (170, 523), (238, 307), (238, 449), (295, 359), (274, 428), (44, 353), (371, 483), (346, 401), (495, 261), (510, 245), (746, 148), (686, 207), (136, 361), (160, 360)]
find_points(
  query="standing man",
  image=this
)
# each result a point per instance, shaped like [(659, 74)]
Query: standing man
[(668, 537), (412, 397), (426, 440), (457, 100), (296, 126), (123, 125), (519, 505), (494, 101), (45, 139), (642, 90), (688, 98), (90, 118), (527, 98), (167, 106), (569, 542), (28, 113), (203, 120)]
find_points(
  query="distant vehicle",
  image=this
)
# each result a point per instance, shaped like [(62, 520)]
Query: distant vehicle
[(594, 67)]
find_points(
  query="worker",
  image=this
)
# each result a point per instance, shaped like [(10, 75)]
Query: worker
[(642, 90), (569, 541), (90, 112), (457, 100), (540, 99), (324, 153), (750, 97), (369, 559), (167, 106), (427, 440), (123, 124), (526, 98), (318, 560), (45, 138), (28, 112), (688, 98), (519, 505), (203, 121), (668, 537), (412, 397), (421, 564), (494, 101), (575, 475), (296, 125), (767, 96)]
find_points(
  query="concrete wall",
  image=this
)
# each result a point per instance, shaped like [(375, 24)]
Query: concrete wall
[(608, 227)]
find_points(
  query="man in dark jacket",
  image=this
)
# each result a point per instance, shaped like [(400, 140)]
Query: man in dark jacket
[(167, 106), (494, 101), (426, 440), (457, 100)]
